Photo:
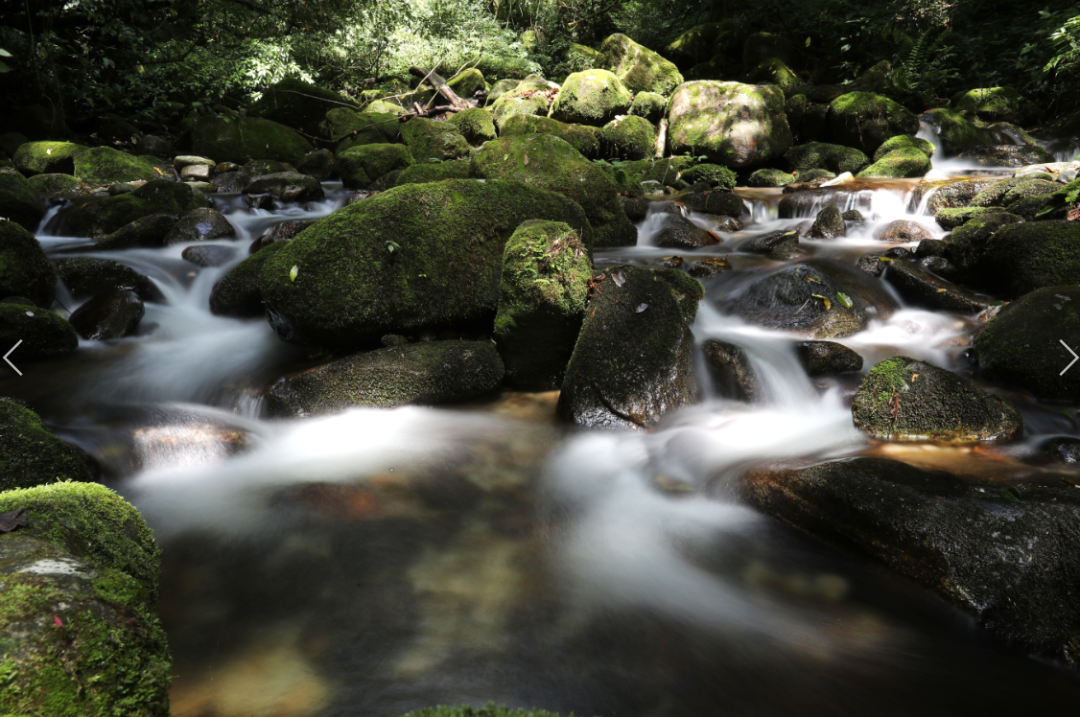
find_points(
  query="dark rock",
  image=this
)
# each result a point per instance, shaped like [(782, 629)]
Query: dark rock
[(30, 454), (939, 265), (318, 164), (768, 177), (43, 333), (147, 231), (902, 231), (853, 216), (827, 358), (829, 224), (85, 277), (208, 254), (865, 120), (722, 203), (433, 172), (112, 315), (201, 224), (100, 217), (681, 233), (779, 244), (240, 139), (285, 231), (360, 167), (286, 187), (819, 155), (708, 268), (54, 184), (231, 182), (633, 360), (731, 371), (153, 146), (636, 208), (902, 399), (237, 293), (921, 288), (25, 270), (897, 252), (1033, 255), (1057, 450), (930, 247), (427, 139), (1007, 155), (18, 200), (423, 373), (295, 103), (968, 246)]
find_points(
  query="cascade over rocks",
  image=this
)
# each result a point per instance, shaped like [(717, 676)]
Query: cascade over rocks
[(100, 217), (86, 276)]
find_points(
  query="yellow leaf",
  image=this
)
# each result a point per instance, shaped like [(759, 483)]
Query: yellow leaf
[(293, 273)]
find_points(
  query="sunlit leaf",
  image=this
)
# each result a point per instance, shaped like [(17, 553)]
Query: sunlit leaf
[(844, 299), (293, 273)]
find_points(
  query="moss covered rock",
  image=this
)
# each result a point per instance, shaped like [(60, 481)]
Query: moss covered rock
[(1032, 255), (904, 141), (46, 158), (426, 373), (78, 596), (25, 270), (952, 218), (287, 187), (415, 257), (865, 120), (919, 287), (639, 68), (465, 84), (52, 184), (769, 178), (499, 89), (650, 176), (956, 132), (361, 166), (298, 104), (18, 200), (550, 163), (104, 165), (237, 293), (476, 125), (716, 176), (148, 231), (633, 360), (581, 137), (990, 104), (593, 97), (428, 139), (833, 157), (968, 246), (347, 129), (650, 106), (433, 172), (506, 107), (900, 163), (545, 273), (828, 224), (902, 399), (948, 193), (30, 454), (43, 334), (733, 124), (100, 217), (1007, 155), (86, 276), (240, 139), (628, 137), (773, 71), (581, 57)]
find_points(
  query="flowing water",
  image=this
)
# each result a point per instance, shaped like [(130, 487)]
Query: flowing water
[(374, 562)]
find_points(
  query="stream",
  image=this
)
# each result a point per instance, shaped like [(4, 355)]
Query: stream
[(379, 561)]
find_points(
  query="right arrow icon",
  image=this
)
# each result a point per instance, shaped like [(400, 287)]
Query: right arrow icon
[(1075, 358)]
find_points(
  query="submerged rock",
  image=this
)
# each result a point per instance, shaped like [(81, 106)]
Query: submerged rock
[(202, 224), (826, 358), (208, 254), (730, 370), (30, 454), (829, 224), (902, 399)]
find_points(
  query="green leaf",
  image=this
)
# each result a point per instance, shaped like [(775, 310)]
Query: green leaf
[(5, 53), (808, 41), (844, 299), (293, 273)]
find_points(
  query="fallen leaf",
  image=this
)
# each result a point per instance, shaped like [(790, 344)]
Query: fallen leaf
[(294, 272), (57, 621), (12, 519), (619, 278), (526, 159)]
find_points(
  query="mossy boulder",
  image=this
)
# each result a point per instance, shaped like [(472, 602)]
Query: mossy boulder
[(428, 139), (86, 276), (990, 104), (383, 107), (30, 454), (499, 89), (716, 176), (650, 176), (865, 120), (950, 219), (433, 172), (415, 257), (318, 164), (904, 141), (902, 399), (1006, 554), (633, 360), (476, 125), (904, 162), (44, 335), (948, 193), (18, 200), (581, 137), (805, 297), (53, 184), (761, 46), (25, 270), (348, 129), (361, 166), (105, 165), (78, 596), (46, 158), (1007, 155), (639, 68), (240, 139), (773, 71), (593, 97), (628, 137), (828, 224), (769, 178), (506, 107), (427, 373), (580, 57), (968, 246), (833, 157), (956, 132), (733, 124), (297, 104), (111, 315), (148, 231), (548, 162), (1032, 255), (545, 273), (650, 106), (237, 293)]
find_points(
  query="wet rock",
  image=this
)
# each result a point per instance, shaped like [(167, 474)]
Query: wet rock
[(201, 224), (902, 231), (780, 245), (628, 137), (921, 288), (854, 216), (25, 270), (733, 124), (239, 139), (545, 275), (237, 293), (428, 139), (318, 164), (827, 358), (100, 217), (1061, 450), (1028, 256), (285, 231), (902, 399), (208, 254), (967, 247), (939, 265), (550, 163), (420, 256), (149, 231), (86, 276), (948, 193), (231, 182), (593, 97), (1007, 155), (30, 454), (805, 297), (681, 233), (633, 360), (715, 203), (43, 333), (79, 589), (732, 373), (476, 125), (769, 178), (952, 218), (1020, 345), (639, 68), (286, 187), (872, 264), (18, 200), (361, 166), (1005, 555), (636, 208), (728, 224), (196, 173), (930, 247), (821, 155), (829, 224), (708, 268), (956, 132), (112, 315), (424, 373), (866, 121)]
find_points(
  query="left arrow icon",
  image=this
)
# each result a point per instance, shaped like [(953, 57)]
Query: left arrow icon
[(9, 353)]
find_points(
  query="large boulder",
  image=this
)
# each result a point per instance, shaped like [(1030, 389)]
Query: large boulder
[(545, 275), (633, 360), (18, 200), (86, 276), (100, 217), (509, 106), (991, 104), (148, 231), (639, 68), (427, 139), (25, 270), (46, 157), (432, 172), (865, 120), (1009, 555), (415, 257), (298, 104), (628, 137), (78, 591), (240, 139), (44, 335), (593, 97), (902, 399), (425, 373), (733, 124), (821, 155), (1021, 346), (550, 163), (583, 138), (822, 298), (476, 125), (968, 246), (956, 133), (361, 166), (30, 454), (773, 71), (901, 157), (105, 165), (1032, 255), (237, 293)]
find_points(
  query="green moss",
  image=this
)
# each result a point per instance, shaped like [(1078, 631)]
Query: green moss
[(967, 246), (833, 157), (1033, 255), (904, 141), (994, 194), (1029, 188), (714, 175), (769, 178), (433, 172), (50, 184), (506, 107), (583, 138), (104, 165), (866, 121), (100, 217), (900, 163), (237, 293), (649, 105), (952, 218), (240, 139), (580, 58), (361, 166), (499, 89), (809, 175), (298, 104), (380, 107), (18, 200), (639, 68), (43, 333), (992, 104), (46, 158), (647, 175), (593, 97), (30, 454), (774, 71), (956, 132), (349, 129), (428, 139), (465, 84), (628, 137), (476, 125)]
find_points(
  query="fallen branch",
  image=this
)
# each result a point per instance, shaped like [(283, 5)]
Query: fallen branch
[(441, 88)]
